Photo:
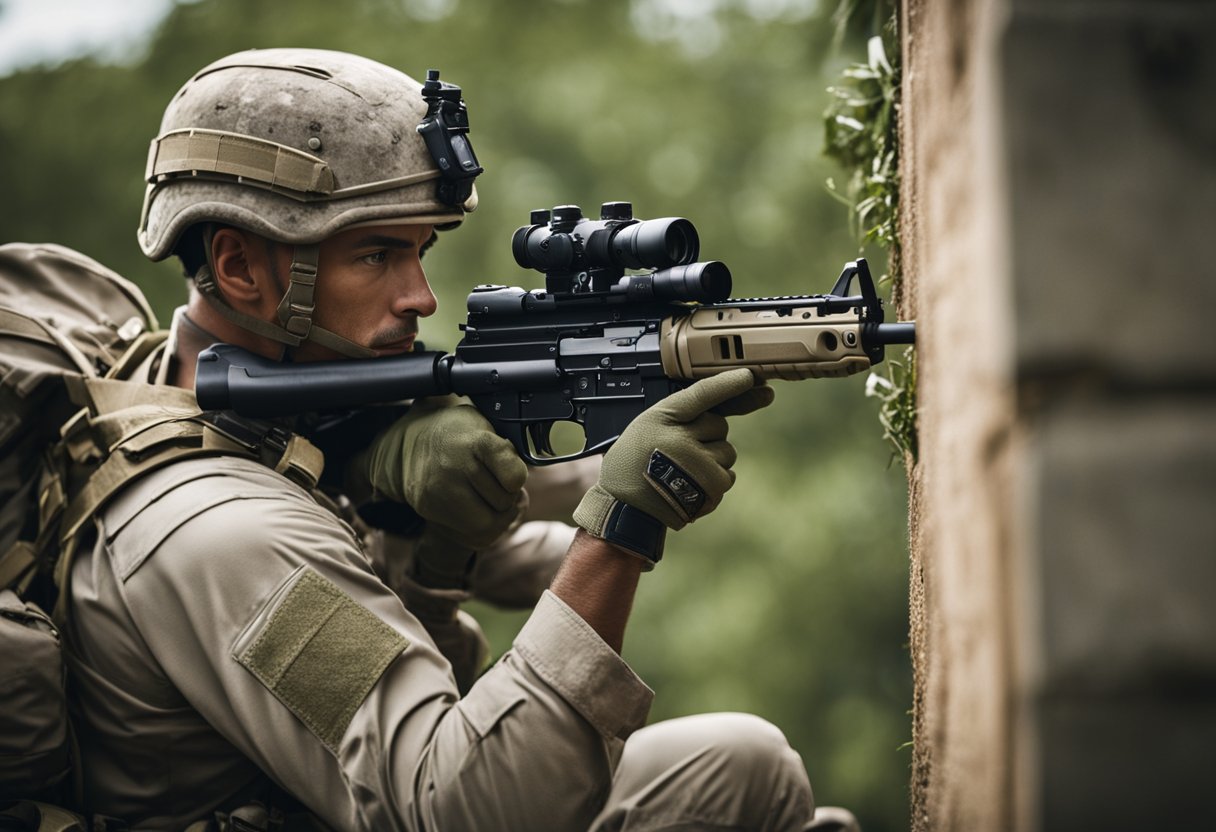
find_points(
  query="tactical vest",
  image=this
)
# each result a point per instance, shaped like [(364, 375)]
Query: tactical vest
[(76, 429)]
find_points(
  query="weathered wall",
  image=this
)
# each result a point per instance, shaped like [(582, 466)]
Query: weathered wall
[(1059, 162), (957, 270)]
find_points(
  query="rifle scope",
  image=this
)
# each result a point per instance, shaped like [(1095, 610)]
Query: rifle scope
[(701, 282), (563, 240)]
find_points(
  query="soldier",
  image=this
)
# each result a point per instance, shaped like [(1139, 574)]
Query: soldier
[(243, 650)]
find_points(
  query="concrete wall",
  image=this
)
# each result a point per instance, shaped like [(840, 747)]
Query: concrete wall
[(1059, 163)]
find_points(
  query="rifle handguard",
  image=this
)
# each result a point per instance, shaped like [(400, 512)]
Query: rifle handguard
[(801, 344)]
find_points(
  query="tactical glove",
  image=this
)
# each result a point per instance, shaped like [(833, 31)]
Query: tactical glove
[(671, 465), (447, 463)]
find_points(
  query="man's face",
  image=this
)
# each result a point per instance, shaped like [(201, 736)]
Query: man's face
[(371, 288)]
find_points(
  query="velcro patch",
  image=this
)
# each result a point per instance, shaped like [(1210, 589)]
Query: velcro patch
[(321, 653), (676, 485)]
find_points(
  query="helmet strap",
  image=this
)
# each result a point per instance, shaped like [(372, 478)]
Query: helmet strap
[(297, 306), (295, 310)]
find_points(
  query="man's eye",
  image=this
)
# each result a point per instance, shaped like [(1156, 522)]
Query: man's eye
[(376, 258)]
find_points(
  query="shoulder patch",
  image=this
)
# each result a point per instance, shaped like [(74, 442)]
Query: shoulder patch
[(320, 653)]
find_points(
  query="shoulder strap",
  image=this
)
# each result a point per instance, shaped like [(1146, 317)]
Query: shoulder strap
[(18, 562), (124, 431), (137, 353), (142, 428)]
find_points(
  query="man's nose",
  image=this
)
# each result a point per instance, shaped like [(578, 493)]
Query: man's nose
[(415, 295)]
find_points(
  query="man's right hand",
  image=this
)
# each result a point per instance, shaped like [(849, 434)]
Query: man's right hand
[(446, 462), (671, 465)]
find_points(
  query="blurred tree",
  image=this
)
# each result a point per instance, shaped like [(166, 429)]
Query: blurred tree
[(791, 601)]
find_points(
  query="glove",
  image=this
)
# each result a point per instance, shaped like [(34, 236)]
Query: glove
[(467, 482), (671, 465)]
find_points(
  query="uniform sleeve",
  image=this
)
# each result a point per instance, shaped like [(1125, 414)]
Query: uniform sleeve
[(264, 613), (520, 565), (456, 633)]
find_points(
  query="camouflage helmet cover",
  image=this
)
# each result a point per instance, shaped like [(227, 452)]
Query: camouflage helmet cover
[(292, 144)]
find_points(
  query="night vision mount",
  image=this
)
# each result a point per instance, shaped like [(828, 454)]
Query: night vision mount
[(445, 128)]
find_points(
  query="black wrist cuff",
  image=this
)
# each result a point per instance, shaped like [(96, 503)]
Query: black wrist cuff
[(635, 531)]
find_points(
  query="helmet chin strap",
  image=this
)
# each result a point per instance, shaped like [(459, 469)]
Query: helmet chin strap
[(295, 310)]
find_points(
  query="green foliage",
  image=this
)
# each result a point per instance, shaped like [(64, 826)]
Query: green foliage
[(790, 601), (860, 19), (861, 132), (897, 392)]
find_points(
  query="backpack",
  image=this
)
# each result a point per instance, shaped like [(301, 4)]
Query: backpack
[(75, 429), (63, 317)]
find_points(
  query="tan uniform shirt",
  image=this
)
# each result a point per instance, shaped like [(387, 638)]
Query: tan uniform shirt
[(226, 625)]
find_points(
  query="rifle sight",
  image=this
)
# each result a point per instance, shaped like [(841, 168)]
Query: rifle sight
[(578, 255)]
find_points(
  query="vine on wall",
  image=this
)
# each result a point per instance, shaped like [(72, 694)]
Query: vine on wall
[(861, 134)]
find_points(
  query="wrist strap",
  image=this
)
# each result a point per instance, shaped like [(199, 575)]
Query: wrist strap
[(635, 531)]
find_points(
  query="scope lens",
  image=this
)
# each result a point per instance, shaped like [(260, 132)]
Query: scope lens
[(519, 245), (701, 282), (655, 244)]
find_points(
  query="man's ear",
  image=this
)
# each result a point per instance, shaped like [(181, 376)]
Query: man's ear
[(242, 270)]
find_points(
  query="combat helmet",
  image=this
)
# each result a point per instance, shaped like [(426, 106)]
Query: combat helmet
[(295, 145)]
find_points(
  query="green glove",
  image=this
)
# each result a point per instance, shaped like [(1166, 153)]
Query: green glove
[(671, 465), (447, 463)]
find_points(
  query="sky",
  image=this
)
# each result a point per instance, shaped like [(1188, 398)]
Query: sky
[(51, 31)]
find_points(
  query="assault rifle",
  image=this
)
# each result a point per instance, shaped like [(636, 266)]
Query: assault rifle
[(594, 348)]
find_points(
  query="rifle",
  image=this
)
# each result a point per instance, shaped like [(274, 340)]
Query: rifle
[(594, 348)]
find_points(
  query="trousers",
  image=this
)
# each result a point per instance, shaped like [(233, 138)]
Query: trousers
[(711, 771)]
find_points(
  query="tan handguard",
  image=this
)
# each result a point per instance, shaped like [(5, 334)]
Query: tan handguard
[(791, 343)]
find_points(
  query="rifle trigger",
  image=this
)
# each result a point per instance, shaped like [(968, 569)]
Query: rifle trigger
[(539, 433)]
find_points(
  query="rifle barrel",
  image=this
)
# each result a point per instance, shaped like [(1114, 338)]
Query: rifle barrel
[(903, 332)]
